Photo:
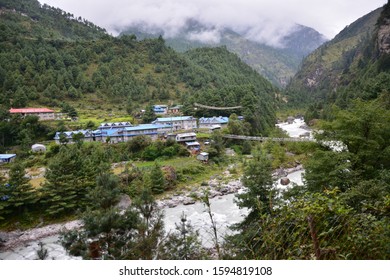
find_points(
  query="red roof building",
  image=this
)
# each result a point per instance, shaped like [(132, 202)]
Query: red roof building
[(42, 113)]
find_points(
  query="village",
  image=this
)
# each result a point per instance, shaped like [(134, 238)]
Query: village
[(170, 125)]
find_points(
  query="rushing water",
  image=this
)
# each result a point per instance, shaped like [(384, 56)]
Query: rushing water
[(29, 250), (225, 212), (295, 129)]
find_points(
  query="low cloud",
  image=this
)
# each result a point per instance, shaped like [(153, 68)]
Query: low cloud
[(207, 36), (261, 20)]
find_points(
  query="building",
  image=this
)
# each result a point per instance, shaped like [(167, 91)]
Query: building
[(203, 156), (109, 134), (174, 110), (42, 113), (178, 123), (193, 146), (6, 158), (106, 126), (125, 134), (160, 109), (186, 137), (213, 122), (87, 136)]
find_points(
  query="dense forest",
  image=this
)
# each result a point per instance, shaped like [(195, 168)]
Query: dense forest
[(48, 58), (277, 64)]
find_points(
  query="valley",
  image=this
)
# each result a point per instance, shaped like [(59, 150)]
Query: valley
[(163, 148)]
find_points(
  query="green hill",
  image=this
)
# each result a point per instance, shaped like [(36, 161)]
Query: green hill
[(277, 64), (29, 19), (48, 58)]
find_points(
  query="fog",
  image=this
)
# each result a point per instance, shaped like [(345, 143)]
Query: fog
[(259, 20)]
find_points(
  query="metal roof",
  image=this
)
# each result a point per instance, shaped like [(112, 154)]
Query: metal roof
[(220, 120), (175, 119), (7, 156), (30, 110)]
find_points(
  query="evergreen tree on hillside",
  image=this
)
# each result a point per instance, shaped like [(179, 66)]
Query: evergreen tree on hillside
[(69, 177), (261, 194), (157, 181), (22, 195)]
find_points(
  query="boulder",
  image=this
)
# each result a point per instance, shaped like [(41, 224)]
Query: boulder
[(285, 181), (188, 201), (124, 202)]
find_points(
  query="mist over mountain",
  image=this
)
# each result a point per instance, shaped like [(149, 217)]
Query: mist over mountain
[(276, 57)]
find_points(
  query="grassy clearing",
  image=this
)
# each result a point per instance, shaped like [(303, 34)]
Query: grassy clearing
[(191, 171), (37, 182)]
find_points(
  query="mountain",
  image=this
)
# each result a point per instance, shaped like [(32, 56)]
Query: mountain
[(355, 64), (29, 19), (50, 58), (277, 63)]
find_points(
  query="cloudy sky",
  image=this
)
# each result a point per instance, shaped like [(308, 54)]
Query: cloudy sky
[(262, 20)]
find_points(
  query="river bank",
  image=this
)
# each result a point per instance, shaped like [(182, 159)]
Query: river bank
[(24, 244), (221, 190)]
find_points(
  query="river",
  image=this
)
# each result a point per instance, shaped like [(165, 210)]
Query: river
[(225, 213)]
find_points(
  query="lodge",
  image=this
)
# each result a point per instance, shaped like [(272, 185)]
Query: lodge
[(178, 123), (42, 113), (213, 122)]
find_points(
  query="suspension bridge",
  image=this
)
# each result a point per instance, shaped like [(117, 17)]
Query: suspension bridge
[(263, 139), (217, 108)]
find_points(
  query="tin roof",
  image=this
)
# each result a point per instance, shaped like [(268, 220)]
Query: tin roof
[(7, 156), (30, 110)]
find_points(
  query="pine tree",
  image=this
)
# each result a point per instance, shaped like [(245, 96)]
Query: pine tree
[(106, 193), (69, 177), (22, 195), (149, 114), (184, 243), (157, 180), (261, 194)]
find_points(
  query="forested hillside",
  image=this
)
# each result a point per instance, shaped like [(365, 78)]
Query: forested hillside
[(49, 58), (277, 63), (28, 19), (353, 65)]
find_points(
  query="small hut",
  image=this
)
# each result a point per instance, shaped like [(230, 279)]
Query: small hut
[(203, 156)]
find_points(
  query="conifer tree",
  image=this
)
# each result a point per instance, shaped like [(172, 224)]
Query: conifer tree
[(257, 179), (22, 195), (157, 180), (184, 243), (69, 177)]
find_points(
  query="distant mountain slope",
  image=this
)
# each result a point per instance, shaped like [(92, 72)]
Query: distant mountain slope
[(28, 19), (277, 64), (47, 59), (350, 58)]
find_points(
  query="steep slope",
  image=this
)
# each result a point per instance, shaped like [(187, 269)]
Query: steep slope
[(97, 72), (277, 64), (339, 63), (28, 19)]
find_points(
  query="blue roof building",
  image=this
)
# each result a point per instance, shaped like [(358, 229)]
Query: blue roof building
[(160, 109), (178, 123), (115, 134), (5, 158), (125, 134), (213, 122), (114, 125), (88, 135)]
